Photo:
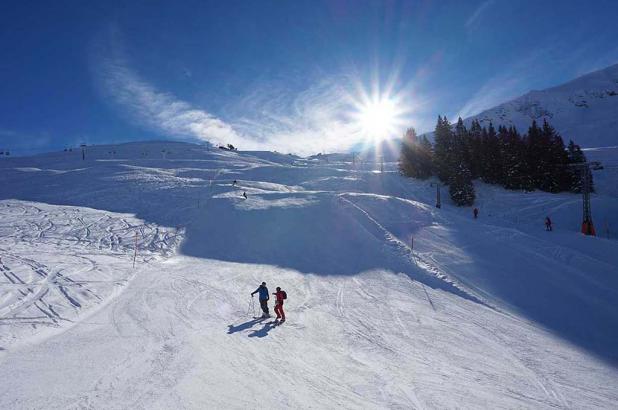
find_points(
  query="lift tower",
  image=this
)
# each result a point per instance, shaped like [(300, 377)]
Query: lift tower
[(587, 226), (583, 168)]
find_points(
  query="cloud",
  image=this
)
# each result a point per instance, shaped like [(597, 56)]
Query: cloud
[(296, 114), (152, 108), (315, 119), (534, 70), (478, 12), (497, 90), (515, 80)]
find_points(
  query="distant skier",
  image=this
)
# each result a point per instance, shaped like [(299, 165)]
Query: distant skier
[(476, 213), (262, 292), (234, 183), (244, 194), (548, 226), (280, 296)]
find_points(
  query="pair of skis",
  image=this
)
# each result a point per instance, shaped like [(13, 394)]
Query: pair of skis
[(275, 322)]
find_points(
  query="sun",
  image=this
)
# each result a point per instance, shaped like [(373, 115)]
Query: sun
[(378, 118)]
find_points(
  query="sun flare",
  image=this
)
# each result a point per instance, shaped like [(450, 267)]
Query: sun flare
[(378, 118)]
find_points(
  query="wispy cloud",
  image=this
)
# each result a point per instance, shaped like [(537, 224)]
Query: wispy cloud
[(535, 70), (151, 107), (496, 90), (305, 117), (314, 119), (474, 17), (531, 70)]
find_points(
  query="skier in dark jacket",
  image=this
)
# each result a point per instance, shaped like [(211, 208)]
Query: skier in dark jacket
[(476, 213), (279, 297), (262, 292), (547, 224)]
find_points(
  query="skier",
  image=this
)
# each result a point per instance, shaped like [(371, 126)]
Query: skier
[(476, 213), (280, 296), (547, 224), (262, 292), (244, 194), (234, 183)]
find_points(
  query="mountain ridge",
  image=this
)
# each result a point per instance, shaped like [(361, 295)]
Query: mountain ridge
[(584, 109)]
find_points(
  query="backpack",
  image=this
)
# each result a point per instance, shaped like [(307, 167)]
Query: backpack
[(285, 295)]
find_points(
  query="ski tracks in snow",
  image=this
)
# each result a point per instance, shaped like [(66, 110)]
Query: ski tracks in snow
[(552, 394), (399, 249), (56, 261)]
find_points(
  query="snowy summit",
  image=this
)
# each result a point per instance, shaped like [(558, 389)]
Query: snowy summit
[(584, 110)]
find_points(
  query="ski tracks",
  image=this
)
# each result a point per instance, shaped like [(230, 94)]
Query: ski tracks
[(399, 249), (63, 260)]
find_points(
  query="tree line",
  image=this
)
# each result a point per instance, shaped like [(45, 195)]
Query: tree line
[(536, 160)]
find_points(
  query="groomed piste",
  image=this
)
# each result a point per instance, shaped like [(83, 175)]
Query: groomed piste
[(125, 282)]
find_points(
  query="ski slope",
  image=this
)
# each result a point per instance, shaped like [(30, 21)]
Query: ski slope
[(392, 303)]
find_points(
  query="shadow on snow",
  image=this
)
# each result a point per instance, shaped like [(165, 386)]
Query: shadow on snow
[(320, 237)]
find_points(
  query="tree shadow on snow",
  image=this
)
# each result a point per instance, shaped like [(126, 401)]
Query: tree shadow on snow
[(557, 286), (314, 233)]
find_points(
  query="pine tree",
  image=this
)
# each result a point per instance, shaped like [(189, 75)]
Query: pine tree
[(576, 156), (425, 158), (462, 144), (461, 188), (407, 155), (476, 159), (415, 159), (513, 160), (535, 153), (553, 174), (444, 150), (539, 160), (491, 167)]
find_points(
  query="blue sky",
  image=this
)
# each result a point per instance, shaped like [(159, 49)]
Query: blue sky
[(286, 75)]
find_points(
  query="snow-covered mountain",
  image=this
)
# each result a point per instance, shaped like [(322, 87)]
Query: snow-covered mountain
[(125, 282), (584, 109)]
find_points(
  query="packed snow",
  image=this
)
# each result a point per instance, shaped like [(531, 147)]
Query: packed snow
[(126, 281)]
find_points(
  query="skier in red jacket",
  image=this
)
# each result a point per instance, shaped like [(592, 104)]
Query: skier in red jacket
[(280, 296)]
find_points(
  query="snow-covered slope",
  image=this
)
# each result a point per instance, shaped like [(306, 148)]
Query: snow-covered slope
[(584, 110), (391, 302)]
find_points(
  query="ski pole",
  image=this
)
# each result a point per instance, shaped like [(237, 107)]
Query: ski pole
[(251, 307)]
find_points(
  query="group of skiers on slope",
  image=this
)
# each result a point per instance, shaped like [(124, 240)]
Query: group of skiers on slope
[(548, 223), (264, 297)]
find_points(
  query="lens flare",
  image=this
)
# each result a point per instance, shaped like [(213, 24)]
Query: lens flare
[(378, 118)]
